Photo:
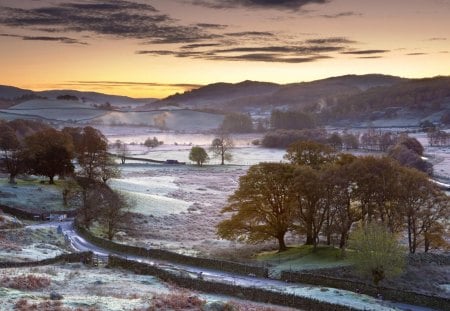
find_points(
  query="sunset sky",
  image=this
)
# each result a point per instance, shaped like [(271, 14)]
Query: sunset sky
[(154, 48)]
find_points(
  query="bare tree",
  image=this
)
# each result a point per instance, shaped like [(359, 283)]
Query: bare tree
[(122, 150), (221, 147), (114, 213)]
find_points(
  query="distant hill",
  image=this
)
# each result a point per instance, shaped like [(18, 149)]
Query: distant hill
[(13, 95), (98, 98), (345, 100), (425, 98), (250, 95), (11, 92)]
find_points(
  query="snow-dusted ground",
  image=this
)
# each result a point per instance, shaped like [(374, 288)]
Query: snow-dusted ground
[(24, 244), (181, 204), (31, 194), (102, 289)]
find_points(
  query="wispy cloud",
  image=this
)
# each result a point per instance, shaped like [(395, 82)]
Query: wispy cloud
[(437, 39), (364, 52), (127, 83), (65, 40), (416, 54), (211, 26), (267, 4), (330, 40), (370, 57), (271, 58), (341, 14), (250, 34)]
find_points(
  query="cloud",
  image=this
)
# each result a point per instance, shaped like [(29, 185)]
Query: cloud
[(342, 14), (370, 57), (271, 58), (250, 34), (364, 52), (308, 49), (126, 83), (66, 40), (330, 40), (269, 4), (290, 51), (200, 45), (437, 39), (116, 18), (416, 54), (211, 26)]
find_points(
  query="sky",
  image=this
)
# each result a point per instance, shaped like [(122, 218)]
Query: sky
[(155, 48)]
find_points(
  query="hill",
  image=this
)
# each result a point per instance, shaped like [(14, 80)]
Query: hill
[(345, 100), (251, 95), (11, 92), (13, 95), (424, 98)]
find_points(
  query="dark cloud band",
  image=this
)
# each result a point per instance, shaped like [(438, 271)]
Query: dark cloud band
[(272, 4)]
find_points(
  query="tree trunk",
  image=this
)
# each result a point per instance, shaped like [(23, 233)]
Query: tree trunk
[(309, 234), (51, 181), (223, 159), (12, 179), (328, 221), (281, 245), (427, 243), (410, 244), (343, 240)]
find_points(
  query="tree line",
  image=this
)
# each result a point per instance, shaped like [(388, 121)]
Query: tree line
[(322, 193), (406, 150)]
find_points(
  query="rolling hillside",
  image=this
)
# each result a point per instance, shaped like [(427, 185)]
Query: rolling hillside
[(250, 95), (345, 100)]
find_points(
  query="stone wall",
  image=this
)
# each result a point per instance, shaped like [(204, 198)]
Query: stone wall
[(33, 214), (206, 263), (248, 293), (84, 257), (397, 295)]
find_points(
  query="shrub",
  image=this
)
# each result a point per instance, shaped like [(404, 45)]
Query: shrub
[(176, 301), (47, 305), (26, 282)]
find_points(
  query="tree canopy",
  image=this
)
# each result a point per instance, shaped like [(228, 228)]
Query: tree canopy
[(262, 207), (198, 155), (49, 153)]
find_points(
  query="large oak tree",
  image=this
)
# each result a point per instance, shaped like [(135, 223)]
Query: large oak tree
[(262, 208)]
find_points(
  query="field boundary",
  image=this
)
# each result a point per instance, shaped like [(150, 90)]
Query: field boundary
[(34, 214), (248, 293), (84, 257), (228, 266), (392, 294)]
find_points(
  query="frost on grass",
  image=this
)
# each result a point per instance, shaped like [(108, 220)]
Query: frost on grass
[(31, 194), (25, 244)]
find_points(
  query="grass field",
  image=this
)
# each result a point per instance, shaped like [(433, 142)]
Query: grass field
[(304, 257)]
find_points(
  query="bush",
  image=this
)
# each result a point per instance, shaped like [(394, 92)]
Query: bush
[(176, 301), (25, 282), (25, 305)]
